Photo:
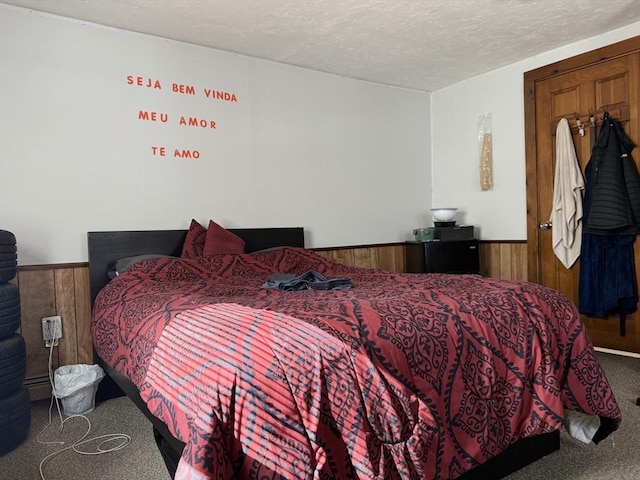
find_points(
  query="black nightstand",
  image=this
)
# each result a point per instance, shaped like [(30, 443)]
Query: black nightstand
[(444, 256)]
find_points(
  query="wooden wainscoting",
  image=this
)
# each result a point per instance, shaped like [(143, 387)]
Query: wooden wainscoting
[(47, 290), (506, 260), (390, 258)]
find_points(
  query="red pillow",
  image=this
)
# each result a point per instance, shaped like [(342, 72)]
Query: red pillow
[(194, 242), (221, 241)]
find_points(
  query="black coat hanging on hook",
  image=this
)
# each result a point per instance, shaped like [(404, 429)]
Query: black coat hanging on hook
[(612, 196), (611, 221)]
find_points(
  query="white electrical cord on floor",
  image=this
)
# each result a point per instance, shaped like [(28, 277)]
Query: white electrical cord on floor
[(110, 437)]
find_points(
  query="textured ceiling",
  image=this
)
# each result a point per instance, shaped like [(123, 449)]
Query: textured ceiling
[(420, 44)]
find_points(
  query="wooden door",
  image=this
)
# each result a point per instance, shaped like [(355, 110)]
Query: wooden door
[(578, 89)]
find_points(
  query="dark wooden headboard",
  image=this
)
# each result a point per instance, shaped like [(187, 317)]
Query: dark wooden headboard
[(105, 248)]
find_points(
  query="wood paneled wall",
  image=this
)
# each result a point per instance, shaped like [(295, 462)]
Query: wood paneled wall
[(47, 290), (384, 257), (504, 260)]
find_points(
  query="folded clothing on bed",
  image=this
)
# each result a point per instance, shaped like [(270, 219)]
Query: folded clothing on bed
[(310, 280)]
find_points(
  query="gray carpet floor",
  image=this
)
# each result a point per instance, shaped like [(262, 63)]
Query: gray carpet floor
[(616, 458), (140, 460)]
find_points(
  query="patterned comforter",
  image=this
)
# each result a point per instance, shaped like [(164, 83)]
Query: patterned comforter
[(402, 376)]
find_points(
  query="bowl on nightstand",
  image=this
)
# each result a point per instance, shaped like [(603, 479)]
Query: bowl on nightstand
[(443, 214)]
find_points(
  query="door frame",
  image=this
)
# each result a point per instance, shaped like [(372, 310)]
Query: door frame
[(625, 47)]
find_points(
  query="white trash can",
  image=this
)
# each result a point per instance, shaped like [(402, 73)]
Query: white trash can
[(76, 386)]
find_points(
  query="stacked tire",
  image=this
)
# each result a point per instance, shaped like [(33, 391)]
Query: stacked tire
[(15, 403)]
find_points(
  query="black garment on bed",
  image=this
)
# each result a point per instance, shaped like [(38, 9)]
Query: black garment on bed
[(310, 280)]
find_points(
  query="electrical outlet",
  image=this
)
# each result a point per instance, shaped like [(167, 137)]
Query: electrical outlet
[(51, 329)]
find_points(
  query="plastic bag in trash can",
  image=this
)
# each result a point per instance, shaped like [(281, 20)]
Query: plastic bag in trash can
[(76, 386)]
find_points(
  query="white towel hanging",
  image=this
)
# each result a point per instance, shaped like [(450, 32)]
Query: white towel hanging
[(566, 211)]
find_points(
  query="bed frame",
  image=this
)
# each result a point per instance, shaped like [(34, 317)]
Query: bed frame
[(105, 248)]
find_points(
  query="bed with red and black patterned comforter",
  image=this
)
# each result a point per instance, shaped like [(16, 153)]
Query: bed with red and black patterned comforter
[(402, 376)]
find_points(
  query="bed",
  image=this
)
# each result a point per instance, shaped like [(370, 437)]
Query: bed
[(425, 376)]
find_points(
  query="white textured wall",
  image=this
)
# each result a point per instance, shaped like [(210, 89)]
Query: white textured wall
[(500, 213), (347, 160)]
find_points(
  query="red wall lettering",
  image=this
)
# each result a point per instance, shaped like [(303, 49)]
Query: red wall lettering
[(218, 95), (144, 82), (184, 120), (186, 89), (197, 122), (186, 153), (153, 116)]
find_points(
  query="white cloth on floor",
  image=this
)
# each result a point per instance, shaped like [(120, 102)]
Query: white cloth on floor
[(566, 212), (580, 426)]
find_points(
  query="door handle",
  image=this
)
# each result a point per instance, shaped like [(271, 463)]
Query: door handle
[(545, 225)]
